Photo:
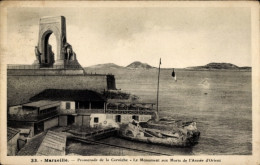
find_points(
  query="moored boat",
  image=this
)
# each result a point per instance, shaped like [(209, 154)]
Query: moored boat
[(184, 135)]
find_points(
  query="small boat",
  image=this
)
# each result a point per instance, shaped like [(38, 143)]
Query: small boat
[(185, 135)]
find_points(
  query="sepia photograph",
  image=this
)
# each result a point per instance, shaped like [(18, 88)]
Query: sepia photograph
[(129, 82)]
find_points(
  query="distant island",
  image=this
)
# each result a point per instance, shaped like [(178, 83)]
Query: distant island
[(219, 66), (106, 65), (141, 65)]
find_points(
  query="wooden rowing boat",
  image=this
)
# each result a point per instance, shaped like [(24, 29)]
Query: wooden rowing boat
[(180, 136)]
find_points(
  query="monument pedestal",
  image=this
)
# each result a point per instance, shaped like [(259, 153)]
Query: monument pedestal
[(36, 64), (59, 64)]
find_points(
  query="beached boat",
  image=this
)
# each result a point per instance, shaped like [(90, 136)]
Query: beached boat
[(174, 134)]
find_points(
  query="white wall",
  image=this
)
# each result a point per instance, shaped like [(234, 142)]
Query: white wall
[(144, 118), (63, 104), (126, 118), (101, 119), (110, 119)]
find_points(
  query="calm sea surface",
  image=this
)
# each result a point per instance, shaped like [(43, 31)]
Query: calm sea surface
[(219, 101)]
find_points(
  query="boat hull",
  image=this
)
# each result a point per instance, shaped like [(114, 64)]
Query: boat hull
[(181, 138), (165, 142)]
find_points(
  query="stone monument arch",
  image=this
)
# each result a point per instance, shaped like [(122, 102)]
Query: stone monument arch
[(65, 57)]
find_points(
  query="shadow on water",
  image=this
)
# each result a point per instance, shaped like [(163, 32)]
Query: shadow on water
[(144, 149)]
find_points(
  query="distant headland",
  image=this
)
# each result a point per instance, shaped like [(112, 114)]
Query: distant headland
[(219, 66), (141, 65)]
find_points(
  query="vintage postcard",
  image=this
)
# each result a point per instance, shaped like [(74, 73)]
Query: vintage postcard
[(154, 82)]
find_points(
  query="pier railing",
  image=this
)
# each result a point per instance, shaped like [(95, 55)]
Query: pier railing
[(137, 112), (80, 111), (108, 111)]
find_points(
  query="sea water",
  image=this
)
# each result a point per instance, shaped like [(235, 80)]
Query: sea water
[(219, 101)]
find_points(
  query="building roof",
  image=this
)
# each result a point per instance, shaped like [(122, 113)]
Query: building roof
[(41, 103), (68, 95), (54, 144), (11, 132)]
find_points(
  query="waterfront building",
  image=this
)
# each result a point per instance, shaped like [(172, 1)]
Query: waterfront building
[(75, 105), (89, 108), (36, 116)]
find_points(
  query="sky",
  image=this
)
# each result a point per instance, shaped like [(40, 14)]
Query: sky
[(180, 36)]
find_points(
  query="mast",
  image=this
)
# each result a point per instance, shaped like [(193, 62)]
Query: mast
[(158, 86)]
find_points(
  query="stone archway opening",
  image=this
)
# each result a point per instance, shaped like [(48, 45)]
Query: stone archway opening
[(53, 43), (49, 49)]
